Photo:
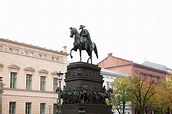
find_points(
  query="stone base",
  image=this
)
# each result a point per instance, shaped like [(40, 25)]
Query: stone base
[(80, 72), (81, 77), (86, 109)]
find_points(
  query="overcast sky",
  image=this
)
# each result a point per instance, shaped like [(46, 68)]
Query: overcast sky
[(135, 30)]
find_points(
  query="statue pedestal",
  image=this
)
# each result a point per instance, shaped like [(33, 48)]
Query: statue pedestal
[(84, 92), (86, 109), (80, 72)]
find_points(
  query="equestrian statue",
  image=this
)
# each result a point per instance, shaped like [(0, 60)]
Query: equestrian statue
[(82, 41)]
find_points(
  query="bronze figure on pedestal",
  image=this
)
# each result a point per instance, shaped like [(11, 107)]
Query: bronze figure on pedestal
[(82, 41)]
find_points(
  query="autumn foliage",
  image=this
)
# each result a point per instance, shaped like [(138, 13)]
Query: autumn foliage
[(143, 96)]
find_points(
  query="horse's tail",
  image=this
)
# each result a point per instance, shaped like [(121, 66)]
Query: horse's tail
[(95, 49)]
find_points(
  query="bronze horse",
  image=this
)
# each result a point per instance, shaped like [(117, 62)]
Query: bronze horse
[(81, 46)]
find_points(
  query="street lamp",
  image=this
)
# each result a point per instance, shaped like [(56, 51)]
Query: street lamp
[(59, 77)]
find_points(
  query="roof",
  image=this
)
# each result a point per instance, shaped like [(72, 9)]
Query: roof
[(155, 66)]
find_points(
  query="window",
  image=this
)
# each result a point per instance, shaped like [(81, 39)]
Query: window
[(13, 77), (31, 53), (28, 81), (148, 78), (42, 108), (53, 58), (55, 84), (40, 55), (42, 83), (143, 76), (136, 73), (55, 108), (44, 56), (157, 79), (108, 84), (10, 50), (12, 108), (28, 108), (57, 59), (25, 53), (17, 51), (1, 48)]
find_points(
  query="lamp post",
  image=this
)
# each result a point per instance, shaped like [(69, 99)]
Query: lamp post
[(59, 77)]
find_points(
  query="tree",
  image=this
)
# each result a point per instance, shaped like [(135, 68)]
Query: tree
[(161, 98), (167, 85), (119, 97), (141, 93)]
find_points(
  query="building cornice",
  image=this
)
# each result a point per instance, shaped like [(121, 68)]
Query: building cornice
[(32, 46), (149, 68), (113, 73), (25, 90)]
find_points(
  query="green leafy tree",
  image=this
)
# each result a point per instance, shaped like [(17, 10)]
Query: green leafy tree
[(168, 86), (119, 97), (141, 93), (161, 98)]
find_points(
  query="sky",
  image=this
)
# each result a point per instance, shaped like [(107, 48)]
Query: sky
[(135, 30)]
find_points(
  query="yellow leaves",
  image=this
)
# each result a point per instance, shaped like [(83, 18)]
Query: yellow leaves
[(108, 102), (142, 93), (161, 98)]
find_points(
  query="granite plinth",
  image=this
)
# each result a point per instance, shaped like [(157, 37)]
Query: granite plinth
[(86, 109), (84, 92)]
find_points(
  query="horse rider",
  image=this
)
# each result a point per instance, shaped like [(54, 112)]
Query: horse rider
[(85, 37)]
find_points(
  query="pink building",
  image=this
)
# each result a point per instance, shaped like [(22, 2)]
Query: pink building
[(144, 71)]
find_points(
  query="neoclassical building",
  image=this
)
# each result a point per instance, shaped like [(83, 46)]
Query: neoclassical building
[(144, 71), (29, 75)]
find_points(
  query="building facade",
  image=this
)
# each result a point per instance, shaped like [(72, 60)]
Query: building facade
[(109, 76), (143, 71), (29, 75)]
